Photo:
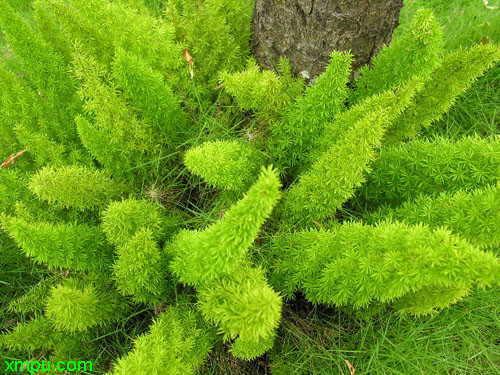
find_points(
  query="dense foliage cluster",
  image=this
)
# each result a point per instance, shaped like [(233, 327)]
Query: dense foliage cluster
[(165, 171)]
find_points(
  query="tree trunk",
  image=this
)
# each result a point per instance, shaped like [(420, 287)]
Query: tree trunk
[(307, 31)]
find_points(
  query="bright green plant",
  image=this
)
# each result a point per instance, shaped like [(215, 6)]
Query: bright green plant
[(455, 74), (79, 304), (111, 102), (313, 197), (415, 268), (163, 110), (215, 33), (474, 216), (177, 343), (402, 172), (66, 245), (225, 243), (305, 120), (121, 220), (75, 186), (416, 52), (140, 269), (227, 165), (263, 92)]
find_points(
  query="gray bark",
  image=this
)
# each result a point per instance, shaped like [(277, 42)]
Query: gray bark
[(307, 31)]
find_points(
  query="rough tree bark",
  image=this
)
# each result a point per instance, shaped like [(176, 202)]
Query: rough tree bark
[(307, 31)]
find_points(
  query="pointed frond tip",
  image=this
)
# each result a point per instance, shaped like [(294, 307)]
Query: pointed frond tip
[(203, 256)]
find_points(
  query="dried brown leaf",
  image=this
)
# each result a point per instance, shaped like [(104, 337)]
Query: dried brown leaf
[(9, 323), (190, 61), (318, 224), (485, 40), (351, 367), (11, 159)]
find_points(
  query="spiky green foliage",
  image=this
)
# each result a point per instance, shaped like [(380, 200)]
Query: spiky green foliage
[(12, 183), (101, 26), (248, 349), (75, 186), (33, 301), (29, 121), (455, 74), (203, 256), (140, 268), (79, 304), (40, 334), (77, 26), (416, 52), (293, 86), (17, 199), (149, 92), (45, 66), (177, 343), (263, 92), (233, 295), (121, 220), (414, 267), (245, 307), (471, 215), (333, 177), (36, 334), (229, 165), (18, 202), (293, 138), (336, 131), (111, 131), (431, 166), (8, 117), (48, 28), (67, 245), (107, 128), (223, 26)]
